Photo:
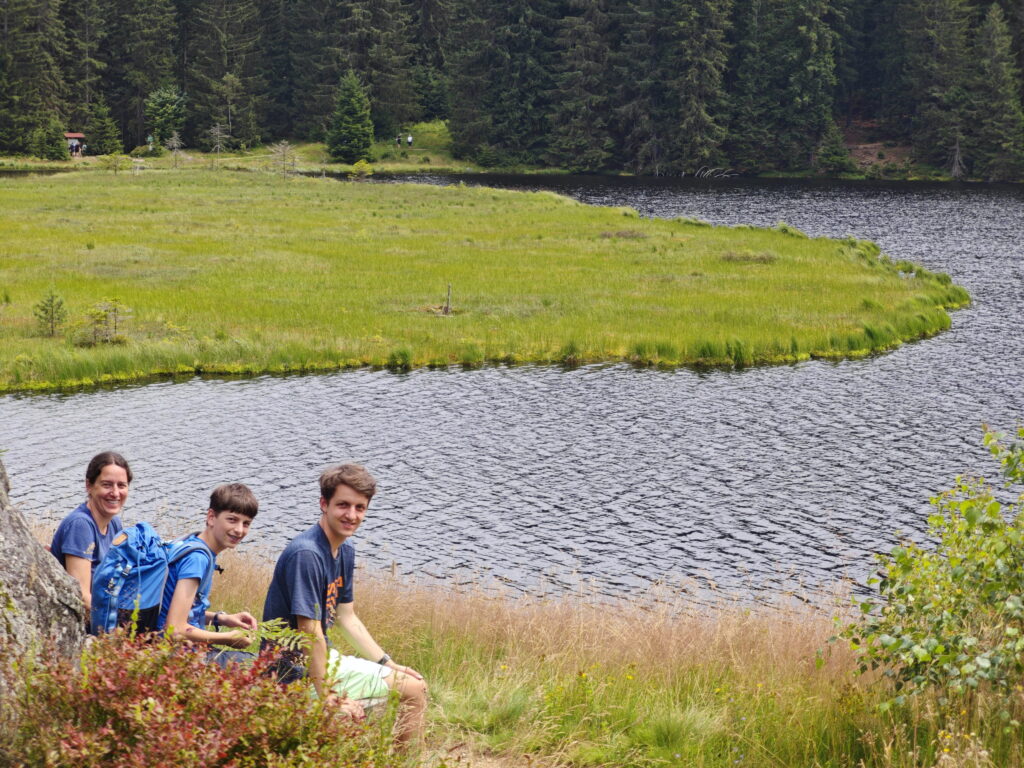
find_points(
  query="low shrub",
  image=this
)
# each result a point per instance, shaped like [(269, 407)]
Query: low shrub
[(137, 704), (949, 619)]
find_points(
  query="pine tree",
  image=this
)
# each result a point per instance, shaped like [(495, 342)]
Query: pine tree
[(749, 144), (996, 133), (139, 59), (351, 134), (102, 136), (580, 136), (222, 80), (698, 56), (87, 27), (377, 43), (308, 61), (165, 112), (936, 48), (32, 49), (644, 105)]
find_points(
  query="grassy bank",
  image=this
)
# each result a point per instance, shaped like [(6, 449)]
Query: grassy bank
[(230, 273), (576, 682), (520, 681)]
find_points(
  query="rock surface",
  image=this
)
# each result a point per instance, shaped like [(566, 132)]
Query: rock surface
[(40, 604)]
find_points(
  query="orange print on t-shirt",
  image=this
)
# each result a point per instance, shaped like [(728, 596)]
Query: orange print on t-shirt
[(332, 598)]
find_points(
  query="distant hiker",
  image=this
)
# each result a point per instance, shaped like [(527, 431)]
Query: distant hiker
[(83, 537), (312, 586), (409, 139), (398, 140), (185, 610)]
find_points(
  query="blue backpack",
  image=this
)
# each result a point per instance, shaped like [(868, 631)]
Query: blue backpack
[(128, 585)]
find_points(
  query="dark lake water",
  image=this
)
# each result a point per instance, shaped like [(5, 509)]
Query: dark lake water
[(760, 482)]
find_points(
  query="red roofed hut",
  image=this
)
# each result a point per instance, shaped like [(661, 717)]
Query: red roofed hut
[(75, 142)]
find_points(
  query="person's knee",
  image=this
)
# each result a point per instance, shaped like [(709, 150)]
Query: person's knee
[(412, 690)]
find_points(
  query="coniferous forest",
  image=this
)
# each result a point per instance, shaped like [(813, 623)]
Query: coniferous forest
[(657, 87)]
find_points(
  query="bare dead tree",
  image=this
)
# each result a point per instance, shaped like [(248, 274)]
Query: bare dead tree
[(174, 145)]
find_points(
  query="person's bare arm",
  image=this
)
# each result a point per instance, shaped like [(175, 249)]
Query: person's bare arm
[(81, 571), (178, 614), (362, 641), (316, 665)]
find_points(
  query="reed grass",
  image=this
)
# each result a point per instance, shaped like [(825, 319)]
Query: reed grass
[(244, 273), (655, 680)]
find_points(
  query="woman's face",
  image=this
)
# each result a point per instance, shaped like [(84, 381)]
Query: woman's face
[(109, 492)]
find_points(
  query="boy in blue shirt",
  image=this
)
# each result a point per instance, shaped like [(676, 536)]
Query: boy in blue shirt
[(83, 537), (185, 610)]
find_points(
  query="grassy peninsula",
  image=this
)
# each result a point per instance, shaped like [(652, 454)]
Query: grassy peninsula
[(174, 273)]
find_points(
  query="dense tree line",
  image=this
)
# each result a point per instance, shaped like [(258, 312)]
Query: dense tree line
[(648, 86)]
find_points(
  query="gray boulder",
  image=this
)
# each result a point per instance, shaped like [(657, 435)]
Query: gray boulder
[(40, 604)]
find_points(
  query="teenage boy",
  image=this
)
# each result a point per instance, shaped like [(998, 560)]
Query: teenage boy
[(83, 537), (185, 610), (312, 588)]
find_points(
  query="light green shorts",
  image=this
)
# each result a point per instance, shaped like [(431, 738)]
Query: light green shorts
[(356, 678)]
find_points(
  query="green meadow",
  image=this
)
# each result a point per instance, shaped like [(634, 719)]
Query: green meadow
[(237, 273)]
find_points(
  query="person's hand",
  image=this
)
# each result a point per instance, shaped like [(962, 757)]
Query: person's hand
[(348, 707), (242, 620), (405, 670), (236, 639)]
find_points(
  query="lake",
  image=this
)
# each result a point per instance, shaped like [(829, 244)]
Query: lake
[(757, 482)]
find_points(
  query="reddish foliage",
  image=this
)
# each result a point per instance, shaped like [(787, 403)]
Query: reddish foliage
[(134, 704)]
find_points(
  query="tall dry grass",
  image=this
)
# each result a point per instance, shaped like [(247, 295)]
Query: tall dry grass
[(651, 681)]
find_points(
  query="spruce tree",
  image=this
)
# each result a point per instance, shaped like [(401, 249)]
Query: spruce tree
[(580, 136), (87, 23), (936, 48), (377, 43), (165, 112), (139, 59), (808, 65), (996, 133), (32, 51), (46, 139), (222, 80), (698, 55), (351, 133), (471, 62), (431, 24), (102, 136), (749, 143), (308, 61), (644, 104)]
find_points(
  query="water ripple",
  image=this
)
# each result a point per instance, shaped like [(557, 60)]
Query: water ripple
[(759, 482)]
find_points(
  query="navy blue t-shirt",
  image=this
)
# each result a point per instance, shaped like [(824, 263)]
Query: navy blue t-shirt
[(309, 582), (79, 536)]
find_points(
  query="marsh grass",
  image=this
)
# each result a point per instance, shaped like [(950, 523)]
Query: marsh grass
[(653, 681), (237, 274)]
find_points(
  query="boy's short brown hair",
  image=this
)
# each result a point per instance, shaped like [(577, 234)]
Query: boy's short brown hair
[(234, 497), (353, 475)]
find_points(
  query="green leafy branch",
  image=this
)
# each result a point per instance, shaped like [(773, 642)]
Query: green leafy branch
[(951, 618)]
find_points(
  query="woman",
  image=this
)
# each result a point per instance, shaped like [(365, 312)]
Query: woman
[(84, 536)]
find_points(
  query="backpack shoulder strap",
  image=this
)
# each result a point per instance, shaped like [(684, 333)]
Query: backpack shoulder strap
[(186, 545)]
